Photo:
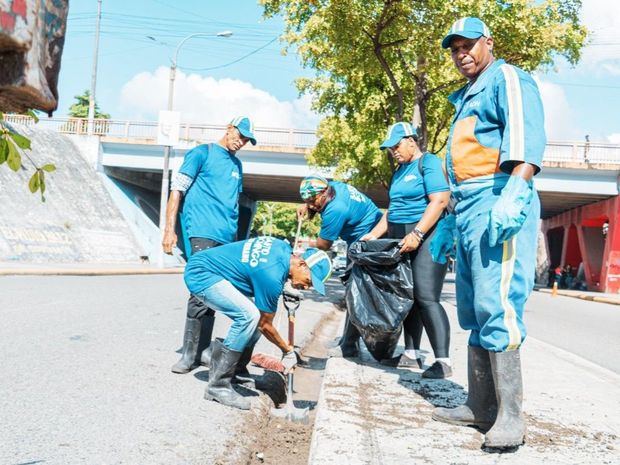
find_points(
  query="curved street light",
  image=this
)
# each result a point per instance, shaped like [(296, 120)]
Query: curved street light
[(165, 179)]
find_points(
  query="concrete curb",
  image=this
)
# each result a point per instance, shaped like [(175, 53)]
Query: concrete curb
[(582, 296), (87, 272), (368, 414)]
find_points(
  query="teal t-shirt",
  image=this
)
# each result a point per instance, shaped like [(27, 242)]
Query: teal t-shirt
[(210, 207), (256, 267), (349, 215), (409, 190)]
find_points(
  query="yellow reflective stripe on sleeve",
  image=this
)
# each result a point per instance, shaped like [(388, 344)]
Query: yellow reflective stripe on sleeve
[(515, 113), (510, 316)]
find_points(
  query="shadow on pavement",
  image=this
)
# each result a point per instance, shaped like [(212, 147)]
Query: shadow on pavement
[(437, 392)]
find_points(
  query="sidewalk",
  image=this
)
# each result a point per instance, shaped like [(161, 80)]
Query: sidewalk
[(369, 414), (602, 297), (83, 269)]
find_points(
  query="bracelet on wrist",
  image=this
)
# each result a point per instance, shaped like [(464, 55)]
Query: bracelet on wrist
[(419, 234)]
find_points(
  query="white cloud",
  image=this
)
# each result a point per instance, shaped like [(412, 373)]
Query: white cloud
[(204, 99), (559, 117), (614, 138), (602, 18)]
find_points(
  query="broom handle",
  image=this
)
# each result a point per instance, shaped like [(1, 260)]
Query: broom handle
[(299, 221)]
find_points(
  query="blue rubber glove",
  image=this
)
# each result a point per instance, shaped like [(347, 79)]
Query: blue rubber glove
[(443, 239), (510, 211)]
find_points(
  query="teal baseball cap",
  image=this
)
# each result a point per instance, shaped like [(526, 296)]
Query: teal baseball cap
[(469, 27), (245, 127), (396, 132), (320, 267)]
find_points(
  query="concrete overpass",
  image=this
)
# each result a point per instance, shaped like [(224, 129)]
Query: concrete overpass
[(575, 175)]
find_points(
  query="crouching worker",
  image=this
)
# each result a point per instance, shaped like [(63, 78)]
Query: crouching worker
[(225, 278)]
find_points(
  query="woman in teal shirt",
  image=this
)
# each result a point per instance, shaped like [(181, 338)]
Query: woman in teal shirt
[(419, 194)]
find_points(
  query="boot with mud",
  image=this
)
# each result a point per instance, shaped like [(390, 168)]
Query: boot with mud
[(508, 431), (348, 346), (480, 408), (242, 374), (223, 364), (196, 339)]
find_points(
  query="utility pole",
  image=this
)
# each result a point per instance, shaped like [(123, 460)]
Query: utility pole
[(93, 79)]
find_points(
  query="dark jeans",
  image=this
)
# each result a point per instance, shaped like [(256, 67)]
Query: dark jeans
[(195, 307), (426, 313)]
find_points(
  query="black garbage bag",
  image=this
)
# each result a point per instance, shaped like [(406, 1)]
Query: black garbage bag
[(378, 293)]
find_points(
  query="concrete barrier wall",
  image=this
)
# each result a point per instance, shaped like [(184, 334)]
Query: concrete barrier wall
[(79, 222)]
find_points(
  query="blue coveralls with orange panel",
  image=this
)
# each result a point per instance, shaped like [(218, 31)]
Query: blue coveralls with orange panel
[(499, 122)]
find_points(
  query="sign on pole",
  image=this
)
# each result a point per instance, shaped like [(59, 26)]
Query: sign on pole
[(168, 128)]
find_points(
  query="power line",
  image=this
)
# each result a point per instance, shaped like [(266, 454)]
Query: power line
[(234, 61)]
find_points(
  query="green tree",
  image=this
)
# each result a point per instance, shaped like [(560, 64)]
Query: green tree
[(280, 219), (380, 61), (80, 108)]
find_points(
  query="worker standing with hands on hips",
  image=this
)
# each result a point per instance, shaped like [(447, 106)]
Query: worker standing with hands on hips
[(209, 182), (419, 195), (224, 279), (495, 148), (346, 213)]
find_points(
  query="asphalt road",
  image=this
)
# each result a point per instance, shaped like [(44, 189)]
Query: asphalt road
[(588, 329), (85, 373)]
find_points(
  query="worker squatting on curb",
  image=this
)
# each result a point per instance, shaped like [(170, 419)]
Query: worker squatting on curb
[(495, 148), (224, 279)]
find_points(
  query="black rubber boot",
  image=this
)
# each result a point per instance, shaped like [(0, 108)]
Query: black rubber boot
[(480, 408), (508, 431), (242, 374), (348, 346), (196, 339), (205, 357), (223, 364)]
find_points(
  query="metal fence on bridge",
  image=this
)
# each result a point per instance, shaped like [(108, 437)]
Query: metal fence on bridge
[(577, 152)]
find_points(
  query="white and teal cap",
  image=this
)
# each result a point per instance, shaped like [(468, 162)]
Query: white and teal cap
[(470, 28), (245, 127), (396, 132), (320, 268)]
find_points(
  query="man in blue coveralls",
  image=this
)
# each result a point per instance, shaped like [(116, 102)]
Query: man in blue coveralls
[(495, 148), (209, 182), (345, 213), (225, 277)]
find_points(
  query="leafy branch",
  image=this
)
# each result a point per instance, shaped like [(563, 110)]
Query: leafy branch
[(13, 145)]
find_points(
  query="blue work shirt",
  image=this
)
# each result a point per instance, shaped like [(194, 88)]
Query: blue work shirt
[(256, 267), (210, 207), (499, 122), (349, 215), (410, 189)]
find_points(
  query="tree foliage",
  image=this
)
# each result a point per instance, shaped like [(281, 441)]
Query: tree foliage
[(280, 220), (13, 145), (380, 61), (80, 108)]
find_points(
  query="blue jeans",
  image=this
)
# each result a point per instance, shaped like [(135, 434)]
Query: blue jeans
[(225, 298)]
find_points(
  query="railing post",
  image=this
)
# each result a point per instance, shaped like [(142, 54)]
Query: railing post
[(291, 139), (126, 129), (186, 131)]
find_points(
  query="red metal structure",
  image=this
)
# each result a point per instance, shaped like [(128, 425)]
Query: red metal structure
[(588, 234)]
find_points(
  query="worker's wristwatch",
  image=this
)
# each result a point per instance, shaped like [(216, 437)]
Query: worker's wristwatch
[(418, 233)]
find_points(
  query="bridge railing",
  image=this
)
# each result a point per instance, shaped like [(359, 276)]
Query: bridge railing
[(294, 138), (576, 152)]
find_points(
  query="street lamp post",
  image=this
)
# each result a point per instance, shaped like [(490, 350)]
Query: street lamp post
[(165, 179)]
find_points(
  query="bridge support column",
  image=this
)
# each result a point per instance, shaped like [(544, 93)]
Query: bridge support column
[(588, 235)]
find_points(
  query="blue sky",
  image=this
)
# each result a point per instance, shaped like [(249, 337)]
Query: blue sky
[(210, 88)]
